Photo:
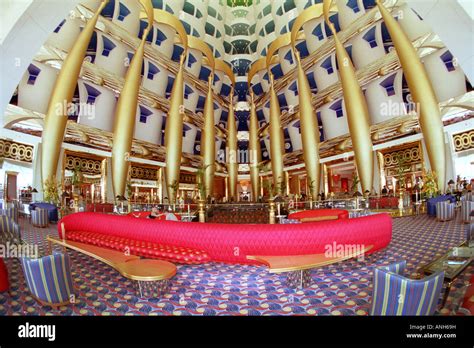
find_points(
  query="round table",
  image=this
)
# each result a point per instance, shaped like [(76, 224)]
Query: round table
[(151, 277)]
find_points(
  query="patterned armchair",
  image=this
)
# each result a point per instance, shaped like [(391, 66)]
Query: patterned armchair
[(39, 217), (466, 208), (445, 211), (12, 212), (396, 295), (51, 208), (431, 203), (9, 230), (49, 279)]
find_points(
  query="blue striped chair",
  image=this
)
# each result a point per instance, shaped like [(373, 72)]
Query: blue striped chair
[(11, 212), (396, 295), (39, 217), (445, 211), (9, 230), (466, 208), (49, 279)]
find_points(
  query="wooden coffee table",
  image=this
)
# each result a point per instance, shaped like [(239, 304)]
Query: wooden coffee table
[(299, 267), (151, 278)]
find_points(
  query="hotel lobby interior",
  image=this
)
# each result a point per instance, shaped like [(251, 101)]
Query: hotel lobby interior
[(237, 158)]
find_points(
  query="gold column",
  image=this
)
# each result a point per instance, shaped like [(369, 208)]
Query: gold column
[(255, 151), (126, 110), (326, 180), (357, 111), (276, 139), (174, 133), (232, 165), (309, 131), (423, 95), (208, 142), (55, 121)]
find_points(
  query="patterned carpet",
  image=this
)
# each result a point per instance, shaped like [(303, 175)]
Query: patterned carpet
[(220, 289)]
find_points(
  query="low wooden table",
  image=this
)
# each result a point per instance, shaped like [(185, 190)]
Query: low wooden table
[(299, 266), (151, 277)]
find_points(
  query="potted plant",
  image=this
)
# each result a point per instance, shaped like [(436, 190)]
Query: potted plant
[(355, 182), (430, 186), (51, 190), (402, 167)]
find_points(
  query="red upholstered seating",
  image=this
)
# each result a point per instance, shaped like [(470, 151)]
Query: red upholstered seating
[(232, 243), (319, 213), (4, 283), (140, 248)]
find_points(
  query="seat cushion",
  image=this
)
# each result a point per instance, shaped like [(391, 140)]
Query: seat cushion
[(141, 248)]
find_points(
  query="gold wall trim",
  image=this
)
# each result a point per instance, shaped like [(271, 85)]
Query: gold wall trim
[(143, 173), (463, 141), (86, 165), (411, 154), (16, 151)]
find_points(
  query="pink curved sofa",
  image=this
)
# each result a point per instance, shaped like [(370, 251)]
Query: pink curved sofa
[(188, 242)]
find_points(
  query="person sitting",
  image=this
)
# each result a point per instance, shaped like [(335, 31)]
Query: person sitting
[(384, 191), (169, 216), (154, 213)]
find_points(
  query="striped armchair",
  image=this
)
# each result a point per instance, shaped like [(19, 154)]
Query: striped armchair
[(49, 279), (466, 208), (445, 211), (396, 295), (11, 212), (9, 230), (39, 217)]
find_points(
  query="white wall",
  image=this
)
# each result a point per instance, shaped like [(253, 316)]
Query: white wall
[(33, 23), (455, 27), (36, 97)]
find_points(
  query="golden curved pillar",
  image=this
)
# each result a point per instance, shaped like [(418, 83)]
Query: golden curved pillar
[(423, 96), (208, 143), (55, 121), (125, 112), (309, 130), (356, 109), (277, 144), (174, 133), (255, 151), (232, 159)]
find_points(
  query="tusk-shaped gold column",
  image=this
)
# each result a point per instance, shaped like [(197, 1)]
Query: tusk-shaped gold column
[(232, 164), (125, 112), (55, 121), (208, 142), (357, 111), (309, 131), (174, 133), (423, 96), (276, 139), (255, 151)]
